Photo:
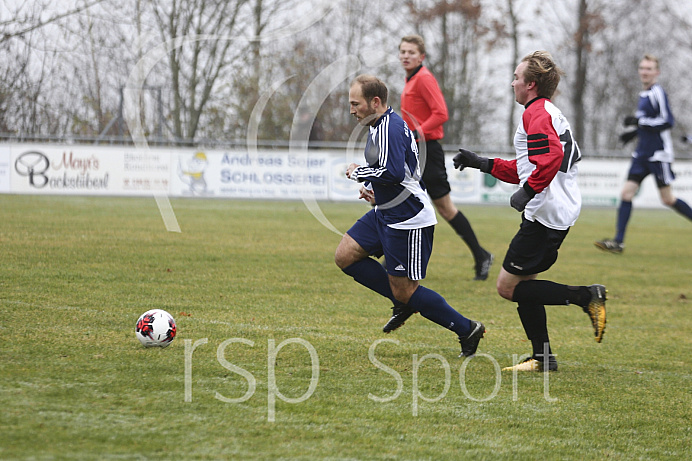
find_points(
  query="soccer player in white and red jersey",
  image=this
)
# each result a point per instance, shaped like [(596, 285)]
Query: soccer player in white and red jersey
[(424, 109), (545, 168)]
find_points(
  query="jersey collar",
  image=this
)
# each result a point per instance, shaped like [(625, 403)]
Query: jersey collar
[(533, 100), (414, 72), (382, 117)]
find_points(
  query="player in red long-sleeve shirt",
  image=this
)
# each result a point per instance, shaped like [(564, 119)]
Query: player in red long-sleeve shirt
[(424, 110)]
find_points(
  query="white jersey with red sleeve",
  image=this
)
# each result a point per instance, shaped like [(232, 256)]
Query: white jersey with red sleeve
[(546, 161)]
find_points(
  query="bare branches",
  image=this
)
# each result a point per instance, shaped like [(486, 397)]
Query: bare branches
[(62, 68), (25, 22)]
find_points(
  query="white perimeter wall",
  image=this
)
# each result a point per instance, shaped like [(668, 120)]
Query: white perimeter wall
[(265, 174)]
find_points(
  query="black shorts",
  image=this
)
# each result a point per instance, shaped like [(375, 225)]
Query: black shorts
[(434, 169), (533, 249)]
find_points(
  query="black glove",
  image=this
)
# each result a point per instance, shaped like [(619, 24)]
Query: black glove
[(415, 135), (521, 197), (631, 120), (627, 136), (467, 158)]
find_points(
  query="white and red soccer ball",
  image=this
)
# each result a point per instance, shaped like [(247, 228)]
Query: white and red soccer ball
[(155, 328)]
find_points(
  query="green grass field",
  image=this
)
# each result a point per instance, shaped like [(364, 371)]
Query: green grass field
[(76, 273)]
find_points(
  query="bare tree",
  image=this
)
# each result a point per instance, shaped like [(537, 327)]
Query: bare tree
[(209, 32), (590, 22), (514, 43), (26, 17), (61, 69), (680, 37), (28, 65), (607, 44), (265, 63)]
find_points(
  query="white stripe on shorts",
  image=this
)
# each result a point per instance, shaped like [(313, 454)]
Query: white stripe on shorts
[(415, 271), (667, 173)]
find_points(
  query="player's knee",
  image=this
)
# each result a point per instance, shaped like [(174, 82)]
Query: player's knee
[(668, 201), (402, 295), (446, 208), (448, 212), (348, 252), (340, 259), (505, 292), (629, 190), (344, 254), (403, 289)]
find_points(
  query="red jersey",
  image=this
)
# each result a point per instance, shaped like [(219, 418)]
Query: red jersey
[(423, 107), (546, 159)]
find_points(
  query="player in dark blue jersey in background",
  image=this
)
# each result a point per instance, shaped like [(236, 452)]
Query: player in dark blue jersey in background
[(402, 223), (653, 155)]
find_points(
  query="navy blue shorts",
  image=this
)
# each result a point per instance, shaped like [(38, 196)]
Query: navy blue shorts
[(434, 170), (642, 167), (534, 249), (406, 251)]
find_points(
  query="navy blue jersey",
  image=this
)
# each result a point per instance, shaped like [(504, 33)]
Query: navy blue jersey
[(394, 172), (654, 124)]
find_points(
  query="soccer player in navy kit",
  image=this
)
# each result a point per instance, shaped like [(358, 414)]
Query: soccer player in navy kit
[(402, 223), (653, 155), (546, 170)]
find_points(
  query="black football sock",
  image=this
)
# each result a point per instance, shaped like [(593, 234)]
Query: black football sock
[(533, 319), (551, 293), (462, 226)]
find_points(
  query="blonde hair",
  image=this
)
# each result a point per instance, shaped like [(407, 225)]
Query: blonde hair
[(416, 40), (652, 58), (542, 70)]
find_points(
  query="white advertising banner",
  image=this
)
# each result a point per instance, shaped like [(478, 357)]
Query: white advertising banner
[(97, 170), (601, 181), (145, 170), (466, 185), (4, 168), (340, 187), (268, 174)]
